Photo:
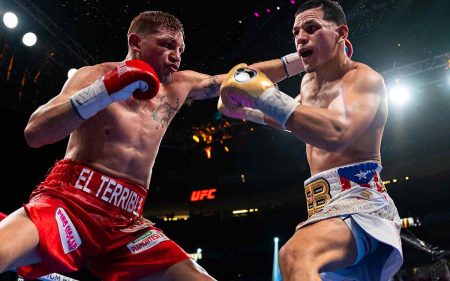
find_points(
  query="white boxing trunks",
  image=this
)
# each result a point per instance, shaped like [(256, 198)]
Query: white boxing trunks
[(356, 193)]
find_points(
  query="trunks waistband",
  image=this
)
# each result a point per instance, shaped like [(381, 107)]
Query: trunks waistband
[(320, 188), (122, 194)]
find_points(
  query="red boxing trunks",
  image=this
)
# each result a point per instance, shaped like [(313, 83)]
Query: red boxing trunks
[(86, 218)]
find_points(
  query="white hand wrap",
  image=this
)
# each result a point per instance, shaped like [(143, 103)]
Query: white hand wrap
[(90, 100), (277, 105), (292, 64)]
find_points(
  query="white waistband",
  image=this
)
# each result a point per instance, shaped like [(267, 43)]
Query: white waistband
[(359, 170)]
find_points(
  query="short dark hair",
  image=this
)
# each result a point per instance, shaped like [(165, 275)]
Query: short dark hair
[(150, 21), (332, 11)]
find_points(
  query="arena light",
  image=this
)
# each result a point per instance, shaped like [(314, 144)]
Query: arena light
[(208, 151), (71, 72), (244, 211), (197, 255), (29, 39), (275, 268), (410, 222), (10, 20), (399, 94), (237, 212)]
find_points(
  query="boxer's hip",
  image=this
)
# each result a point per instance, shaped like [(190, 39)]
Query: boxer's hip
[(354, 188), (91, 188)]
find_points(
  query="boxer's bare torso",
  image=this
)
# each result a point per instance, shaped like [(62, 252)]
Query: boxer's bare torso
[(123, 139), (333, 96)]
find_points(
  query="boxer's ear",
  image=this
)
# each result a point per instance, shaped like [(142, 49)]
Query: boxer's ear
[(342, 31), (133, 41)]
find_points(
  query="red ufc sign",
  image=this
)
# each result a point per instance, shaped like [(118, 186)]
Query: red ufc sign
[(198, 195)]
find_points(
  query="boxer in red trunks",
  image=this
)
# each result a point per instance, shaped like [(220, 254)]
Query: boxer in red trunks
[(87, 212)]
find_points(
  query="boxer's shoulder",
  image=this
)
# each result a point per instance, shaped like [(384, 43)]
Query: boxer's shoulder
[(105, 67), (362, 75), (87, 74)]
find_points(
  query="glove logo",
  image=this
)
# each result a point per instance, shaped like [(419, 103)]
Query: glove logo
[(122, 68), (244, 74)]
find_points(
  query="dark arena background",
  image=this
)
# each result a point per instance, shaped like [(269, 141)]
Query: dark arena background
[(225, 189)]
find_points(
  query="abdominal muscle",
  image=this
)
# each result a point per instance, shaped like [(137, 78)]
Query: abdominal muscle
[(119, 142), (365, 148)]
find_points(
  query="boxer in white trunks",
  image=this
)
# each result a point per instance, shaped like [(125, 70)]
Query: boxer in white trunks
[(353, 228)]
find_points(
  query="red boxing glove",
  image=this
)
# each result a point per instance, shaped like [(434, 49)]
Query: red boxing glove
[(130, 77), (131, 71)]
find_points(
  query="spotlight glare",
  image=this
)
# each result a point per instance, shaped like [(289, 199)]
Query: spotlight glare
[(29, 39), (71, 72), (399, 94), (10, 20), (275, 269)]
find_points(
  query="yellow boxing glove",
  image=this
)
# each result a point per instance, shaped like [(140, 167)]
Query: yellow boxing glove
[(243, 113), (247, 87)]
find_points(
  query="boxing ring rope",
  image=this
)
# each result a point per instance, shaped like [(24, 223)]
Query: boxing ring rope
[(48, 277)]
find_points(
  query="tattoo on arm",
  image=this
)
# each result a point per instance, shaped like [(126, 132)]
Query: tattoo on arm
[(164, 112), (212, 88)]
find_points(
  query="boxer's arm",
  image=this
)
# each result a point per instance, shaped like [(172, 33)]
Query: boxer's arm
[(203, 86), (56, 119), (336, 129), (288, 65), (274, 124), (279, 69), (206, 86)]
